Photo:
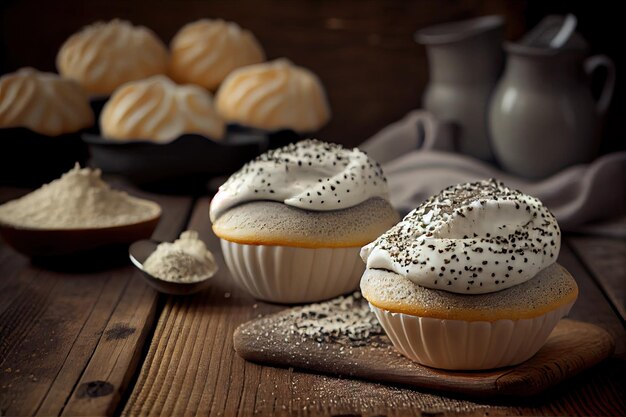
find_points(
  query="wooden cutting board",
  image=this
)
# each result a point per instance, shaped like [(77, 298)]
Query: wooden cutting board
[(572, 347)]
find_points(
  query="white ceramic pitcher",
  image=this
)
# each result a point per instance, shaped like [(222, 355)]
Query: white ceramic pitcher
[(543, 116), (465, 60)]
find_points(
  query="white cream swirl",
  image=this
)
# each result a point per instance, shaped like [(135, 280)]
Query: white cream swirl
[(310, 174), (274, 96), (43, 102), (103, 56), (206, 51), (158, 109), (471, 238)]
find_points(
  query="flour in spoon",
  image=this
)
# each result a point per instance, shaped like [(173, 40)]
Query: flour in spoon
[(186, 260)]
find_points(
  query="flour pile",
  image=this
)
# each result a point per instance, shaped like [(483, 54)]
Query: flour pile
[(80, 199), (186, 260)]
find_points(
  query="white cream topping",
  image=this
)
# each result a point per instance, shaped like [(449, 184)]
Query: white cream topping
[(472, 238), (310, 174)]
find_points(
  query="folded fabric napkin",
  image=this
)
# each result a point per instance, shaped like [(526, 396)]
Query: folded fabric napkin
[(417, 154)]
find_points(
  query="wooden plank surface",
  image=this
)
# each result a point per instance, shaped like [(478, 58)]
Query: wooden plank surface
[(606, 259), (191, 367), (70, 335), (592, 306)]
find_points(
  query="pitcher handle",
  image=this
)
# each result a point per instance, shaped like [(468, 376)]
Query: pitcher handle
[(591, 64)]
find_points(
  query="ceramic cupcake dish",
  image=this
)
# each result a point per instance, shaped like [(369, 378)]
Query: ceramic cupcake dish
[(469, 280), (292, 221), (41, 114)]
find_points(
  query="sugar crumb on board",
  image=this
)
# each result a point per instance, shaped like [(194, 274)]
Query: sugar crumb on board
[(339, 324)]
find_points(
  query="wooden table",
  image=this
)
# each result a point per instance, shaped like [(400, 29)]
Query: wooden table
[(94, 340)]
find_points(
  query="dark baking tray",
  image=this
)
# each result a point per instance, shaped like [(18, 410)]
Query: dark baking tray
[(181, 166), (185, 164)]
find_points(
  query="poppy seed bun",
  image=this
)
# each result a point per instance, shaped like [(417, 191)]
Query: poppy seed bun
[(549, 289), (275, 223)]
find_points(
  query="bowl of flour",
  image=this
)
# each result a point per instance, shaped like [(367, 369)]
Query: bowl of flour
[(76, 213)]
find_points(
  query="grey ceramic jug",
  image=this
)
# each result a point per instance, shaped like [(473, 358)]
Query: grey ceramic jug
[(543, 116), (464, 60)]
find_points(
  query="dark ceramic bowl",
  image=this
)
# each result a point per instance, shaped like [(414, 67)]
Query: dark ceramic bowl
[(61, 242), (276, 139), (30, 159), (97, 105), (185, 164)]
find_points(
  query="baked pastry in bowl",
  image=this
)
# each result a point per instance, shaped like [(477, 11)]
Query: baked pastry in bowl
[(156, 109), (275, 98), (165, 136), (105, 55), (468, 280), (41, 114), (206, 51), (292, 221)]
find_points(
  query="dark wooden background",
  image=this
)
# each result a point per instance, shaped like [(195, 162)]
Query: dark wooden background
[(363, 50)]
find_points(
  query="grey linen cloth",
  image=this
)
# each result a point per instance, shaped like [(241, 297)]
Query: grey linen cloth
[(417, 154)]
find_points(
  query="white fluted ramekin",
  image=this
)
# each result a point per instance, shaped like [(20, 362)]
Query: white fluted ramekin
[(468, 345), (284, 274)]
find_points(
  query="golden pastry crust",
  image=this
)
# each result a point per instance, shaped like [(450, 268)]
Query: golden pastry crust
[(206, 51), (43, 102), (549, 289), (275, 223), (274, 96), (157, 109), (105, 55)]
